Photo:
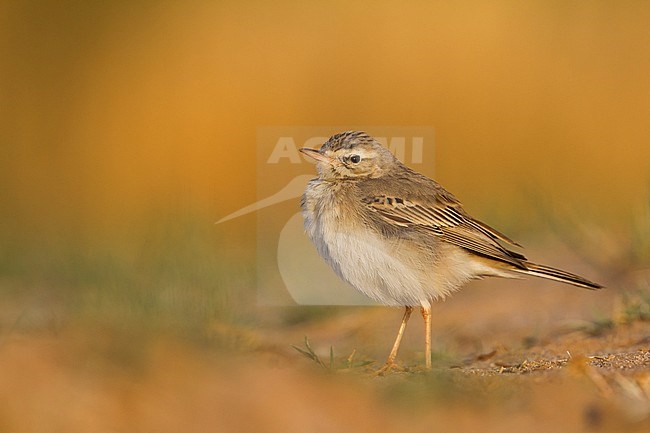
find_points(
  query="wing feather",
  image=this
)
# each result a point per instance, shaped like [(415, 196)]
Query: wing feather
[(447, 220)]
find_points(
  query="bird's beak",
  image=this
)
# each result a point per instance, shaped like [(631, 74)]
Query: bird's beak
[(315, 155)]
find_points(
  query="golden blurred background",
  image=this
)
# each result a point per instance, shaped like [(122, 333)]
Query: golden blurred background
[(113, 111)]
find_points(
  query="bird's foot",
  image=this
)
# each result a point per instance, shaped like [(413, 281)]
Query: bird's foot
[(388, 366)]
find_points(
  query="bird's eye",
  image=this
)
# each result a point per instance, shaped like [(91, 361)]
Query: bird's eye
[(355, 159)]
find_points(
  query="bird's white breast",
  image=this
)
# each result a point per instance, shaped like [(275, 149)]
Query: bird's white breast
[(359, 255)]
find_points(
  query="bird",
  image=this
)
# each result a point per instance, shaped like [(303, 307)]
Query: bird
[(398, 236)]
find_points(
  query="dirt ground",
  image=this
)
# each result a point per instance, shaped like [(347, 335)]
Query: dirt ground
[(522, 355)]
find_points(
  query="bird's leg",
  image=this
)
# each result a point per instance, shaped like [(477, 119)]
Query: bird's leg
[(426, 315), (390, 362)]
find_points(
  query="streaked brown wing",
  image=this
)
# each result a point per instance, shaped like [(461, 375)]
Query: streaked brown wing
[(447, 220)]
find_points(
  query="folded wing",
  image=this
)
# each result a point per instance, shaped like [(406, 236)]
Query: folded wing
[(447, 220)]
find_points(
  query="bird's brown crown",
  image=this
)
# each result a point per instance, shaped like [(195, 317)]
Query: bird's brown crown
[(347, 140)]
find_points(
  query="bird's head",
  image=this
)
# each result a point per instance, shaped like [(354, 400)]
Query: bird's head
[(352, 155)]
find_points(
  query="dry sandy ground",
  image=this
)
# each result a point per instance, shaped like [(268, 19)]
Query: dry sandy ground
[(509, 356)]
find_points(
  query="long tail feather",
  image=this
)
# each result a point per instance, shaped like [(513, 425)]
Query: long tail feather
[(557, 275)]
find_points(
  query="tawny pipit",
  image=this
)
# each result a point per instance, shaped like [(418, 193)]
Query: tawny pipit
[(399, 237)]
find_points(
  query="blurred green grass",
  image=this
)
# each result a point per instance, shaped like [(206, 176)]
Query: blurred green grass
[(170, 273)]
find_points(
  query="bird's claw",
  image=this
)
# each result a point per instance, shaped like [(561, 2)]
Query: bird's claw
[(388, 366)]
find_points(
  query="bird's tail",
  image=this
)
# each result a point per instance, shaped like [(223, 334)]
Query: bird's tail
[(557, 275)]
